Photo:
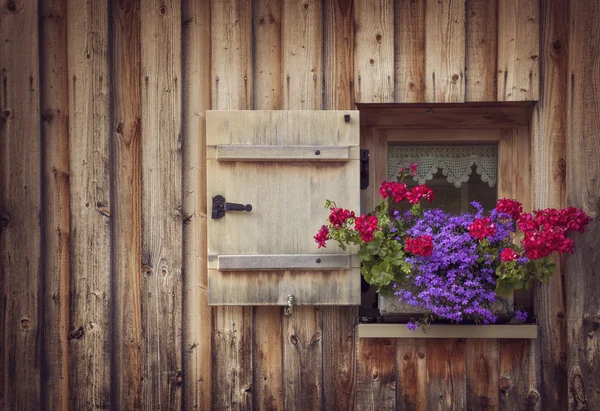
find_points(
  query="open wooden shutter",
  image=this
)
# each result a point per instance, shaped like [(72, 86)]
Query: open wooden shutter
[(284, 164)]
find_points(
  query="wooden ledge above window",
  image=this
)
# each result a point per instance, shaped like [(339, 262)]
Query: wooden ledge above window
[(517, 331)]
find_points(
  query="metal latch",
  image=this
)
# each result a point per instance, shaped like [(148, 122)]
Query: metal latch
[(219, 206), (364, 169), (291, 301)]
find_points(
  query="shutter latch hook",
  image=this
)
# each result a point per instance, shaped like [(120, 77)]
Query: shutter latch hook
[(291, 301)]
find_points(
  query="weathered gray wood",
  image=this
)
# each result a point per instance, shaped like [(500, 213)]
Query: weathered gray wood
[(197, 376), (162, 220), (376, 374), (518, 375), (409, 48), (280, 262), (55, 137), (448, 331), (482, 374), (248, 152), (20, 207), (126, 164), (446, 374)]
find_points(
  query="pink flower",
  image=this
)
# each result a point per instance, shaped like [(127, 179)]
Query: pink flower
[(413, 169), (508, 254), (422, 191), (338, 216), (366, 226), (482, 228), (511, 207), (322, 236), (421, 246)]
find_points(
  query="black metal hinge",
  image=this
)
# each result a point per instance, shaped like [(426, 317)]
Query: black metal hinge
[(364, 169)]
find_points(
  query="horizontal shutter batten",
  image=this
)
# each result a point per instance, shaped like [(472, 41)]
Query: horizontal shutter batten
[(282, 262), (246, 152)]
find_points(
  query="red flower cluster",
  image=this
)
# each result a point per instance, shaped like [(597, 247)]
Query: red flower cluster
[(422, 191), (366, 226), (392, 189), (322, 236), (526, 222), (508, 254), (539, 244), (568, 218), (482, 228), (421, 246), (511, 207), (338, 216)]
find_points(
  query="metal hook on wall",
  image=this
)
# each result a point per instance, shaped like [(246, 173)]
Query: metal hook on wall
[(291, 301)]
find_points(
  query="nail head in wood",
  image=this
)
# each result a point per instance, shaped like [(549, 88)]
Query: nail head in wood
[(347, 118)]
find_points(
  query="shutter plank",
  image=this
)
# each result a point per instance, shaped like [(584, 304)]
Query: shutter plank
[(410, 51), (481, 50)]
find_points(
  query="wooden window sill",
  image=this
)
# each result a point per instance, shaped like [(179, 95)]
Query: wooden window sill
[(522, 331)]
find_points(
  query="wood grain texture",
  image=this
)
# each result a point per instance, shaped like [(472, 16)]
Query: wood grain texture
[(338, 33), (518, 375), (518, 50), (231, 54), (267, 367), (162, 220), (445, 51), (90, 203), (376, 142), (374, 51), (409, 49), (411, 380), (376, 374), (446, 374), (267, 48), (197, 381), (232, 362), (20, 208), (55, 182), (126, 188), (302, 51), (583, 190), (482, 374), (549, 124), (481, 48)]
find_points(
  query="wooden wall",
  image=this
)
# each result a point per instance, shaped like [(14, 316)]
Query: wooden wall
[(103, 289)]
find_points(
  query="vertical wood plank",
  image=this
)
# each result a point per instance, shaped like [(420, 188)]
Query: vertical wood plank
[(376, 142), (90, 203), (446, 374), (339, 358), (127, 189), (197, 377), (410, 51), (482, 374), (231, 79), (302, 44), (445, 51), (549, 182), (411, 380), (20, 207), (481, 50), (518, 381), (583, 190), (162, 220), (231, 58), (518, 50), (376, 374), (374, 51), (232, 362), (266, 26), (267, 367), (55, 183), (338, 28)]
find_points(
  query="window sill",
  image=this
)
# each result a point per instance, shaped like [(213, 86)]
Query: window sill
[(522, 331)]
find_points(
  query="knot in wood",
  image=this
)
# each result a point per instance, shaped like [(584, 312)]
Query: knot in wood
[(406, 357), (420, 355), (560, 315), (164, 271), (6, 113), (455, 77), (375, 374), (11, 6), (533, 397), (294, 339), (372, 61), (305, 5), (179, 378), (378, 37), (556, 46), (48, 115), (163, 10), (76, 334), (505, 384), (562, 165), (25, 324)]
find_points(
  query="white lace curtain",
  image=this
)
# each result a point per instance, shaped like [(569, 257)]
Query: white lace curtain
[(455, 162)]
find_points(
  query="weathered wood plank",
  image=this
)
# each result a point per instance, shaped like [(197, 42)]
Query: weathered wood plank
[(583, 190), (409, 48), (302, 44), (518, 50), (197, 376), (161, 203), (338, 32), (231, 54), (281, 262), (267, 385), (549, 187), (55, 183), (266, 26), (481, 48), (518, 370), (445, 51), (374, 51), (20, 208), (411, 380), (376, 374), (232, 363), (249, 152), (482, 374), (446, 374), (127, 216)]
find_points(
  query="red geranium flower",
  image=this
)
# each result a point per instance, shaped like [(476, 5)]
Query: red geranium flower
[(322, 236), (338, 216), (482, 228), (366, 226), (508, 254), (511, 207), (421, 246)]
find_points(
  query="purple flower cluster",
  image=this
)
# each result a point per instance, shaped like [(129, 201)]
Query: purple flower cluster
[(456, 281)]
